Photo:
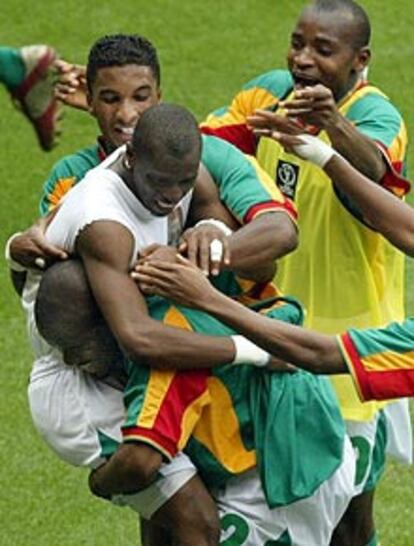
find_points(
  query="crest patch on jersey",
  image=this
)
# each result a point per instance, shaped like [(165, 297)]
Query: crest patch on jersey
[(287, 178)]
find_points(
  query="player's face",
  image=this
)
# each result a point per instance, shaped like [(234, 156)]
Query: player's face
[(161, 184), (321, 51), (119, 96)]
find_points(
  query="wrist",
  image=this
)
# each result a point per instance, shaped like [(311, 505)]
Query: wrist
[(249, 353), (217, 223), (13, 264)]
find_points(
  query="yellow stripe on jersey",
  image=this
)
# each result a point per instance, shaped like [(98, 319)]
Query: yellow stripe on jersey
[(383, 362), (63, 185), (191, 417), (243, 105), (219, 431), (160, 380), (155, 393)]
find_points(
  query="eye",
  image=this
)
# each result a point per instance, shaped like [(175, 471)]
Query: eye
[(141, 97), (325, 51), (109, 98), (296, 42)]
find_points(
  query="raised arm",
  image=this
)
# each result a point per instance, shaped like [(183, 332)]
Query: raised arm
[(382, 210), (185, 284)]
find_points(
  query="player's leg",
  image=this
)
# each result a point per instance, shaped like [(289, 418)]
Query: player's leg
[(246, 519), (359, 512), (369, 439), (12, 67), (29, 76), (312, 521)]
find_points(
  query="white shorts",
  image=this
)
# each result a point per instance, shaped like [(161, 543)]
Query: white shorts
[(76, 414), (369, 439), (399, 431), (246, 519)]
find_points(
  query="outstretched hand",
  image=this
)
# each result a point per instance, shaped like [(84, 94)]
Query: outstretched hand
[(314, 106), (71, 84), (181, 282)]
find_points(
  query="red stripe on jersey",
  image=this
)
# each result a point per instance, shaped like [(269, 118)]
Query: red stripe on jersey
[(392, 179), (239, 135), (360, 373), (391, 384), (185, 389), (269, 206)]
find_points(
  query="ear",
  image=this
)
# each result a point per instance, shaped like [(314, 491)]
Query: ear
[(362, 58), (159, 94), (130, 156), (90, 103)]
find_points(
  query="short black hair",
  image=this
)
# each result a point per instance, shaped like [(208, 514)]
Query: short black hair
[(68, 318), (362, 35), (167, 129), (121, 50), (65, 308)]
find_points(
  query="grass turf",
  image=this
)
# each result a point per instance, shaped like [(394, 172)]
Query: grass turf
[(207, 49)]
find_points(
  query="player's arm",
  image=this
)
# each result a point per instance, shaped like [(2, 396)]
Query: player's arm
[(185, 284), (71, 84), (254, 247), (124, 309), (31, 250), (382, 210), (316, 106)]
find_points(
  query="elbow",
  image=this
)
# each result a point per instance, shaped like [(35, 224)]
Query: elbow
[(285, 240), (291, 240), (141, 346)]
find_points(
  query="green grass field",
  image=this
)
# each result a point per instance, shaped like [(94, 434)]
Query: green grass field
[(207, 49)]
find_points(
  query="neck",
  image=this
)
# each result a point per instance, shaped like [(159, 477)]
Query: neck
[(354, 82)]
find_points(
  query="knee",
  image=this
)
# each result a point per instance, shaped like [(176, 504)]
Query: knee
[(140, 463), (132, 468)]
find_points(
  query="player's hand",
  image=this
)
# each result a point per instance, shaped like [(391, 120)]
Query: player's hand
[(305, 146), (207, 247), (157, 252), (312, 106), (181, 282), (32, 250), (150, 254), (71, 84), (262, 122)]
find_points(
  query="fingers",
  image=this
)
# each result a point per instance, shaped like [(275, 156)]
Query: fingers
[(206, 247), (263, 120)]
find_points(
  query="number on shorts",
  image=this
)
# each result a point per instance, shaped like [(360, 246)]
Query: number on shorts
[(363, 450), (240, 530)]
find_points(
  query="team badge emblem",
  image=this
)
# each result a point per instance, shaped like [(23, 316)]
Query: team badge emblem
[(287, 178)]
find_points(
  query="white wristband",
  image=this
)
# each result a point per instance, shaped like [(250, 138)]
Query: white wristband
[(217, 223), (249, 353), (315, 150), (15, 266)]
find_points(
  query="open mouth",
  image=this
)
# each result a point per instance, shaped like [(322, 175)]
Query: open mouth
[(302, 80), (125, 133)]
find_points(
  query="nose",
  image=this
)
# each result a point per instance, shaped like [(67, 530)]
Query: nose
[(128, 113), (303, 58), (173, 194)]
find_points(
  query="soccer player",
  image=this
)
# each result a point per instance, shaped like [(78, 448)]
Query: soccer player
[(29, 75), (123, 80), (345, 273), (94, 207), (379, 359), (123, 71)]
